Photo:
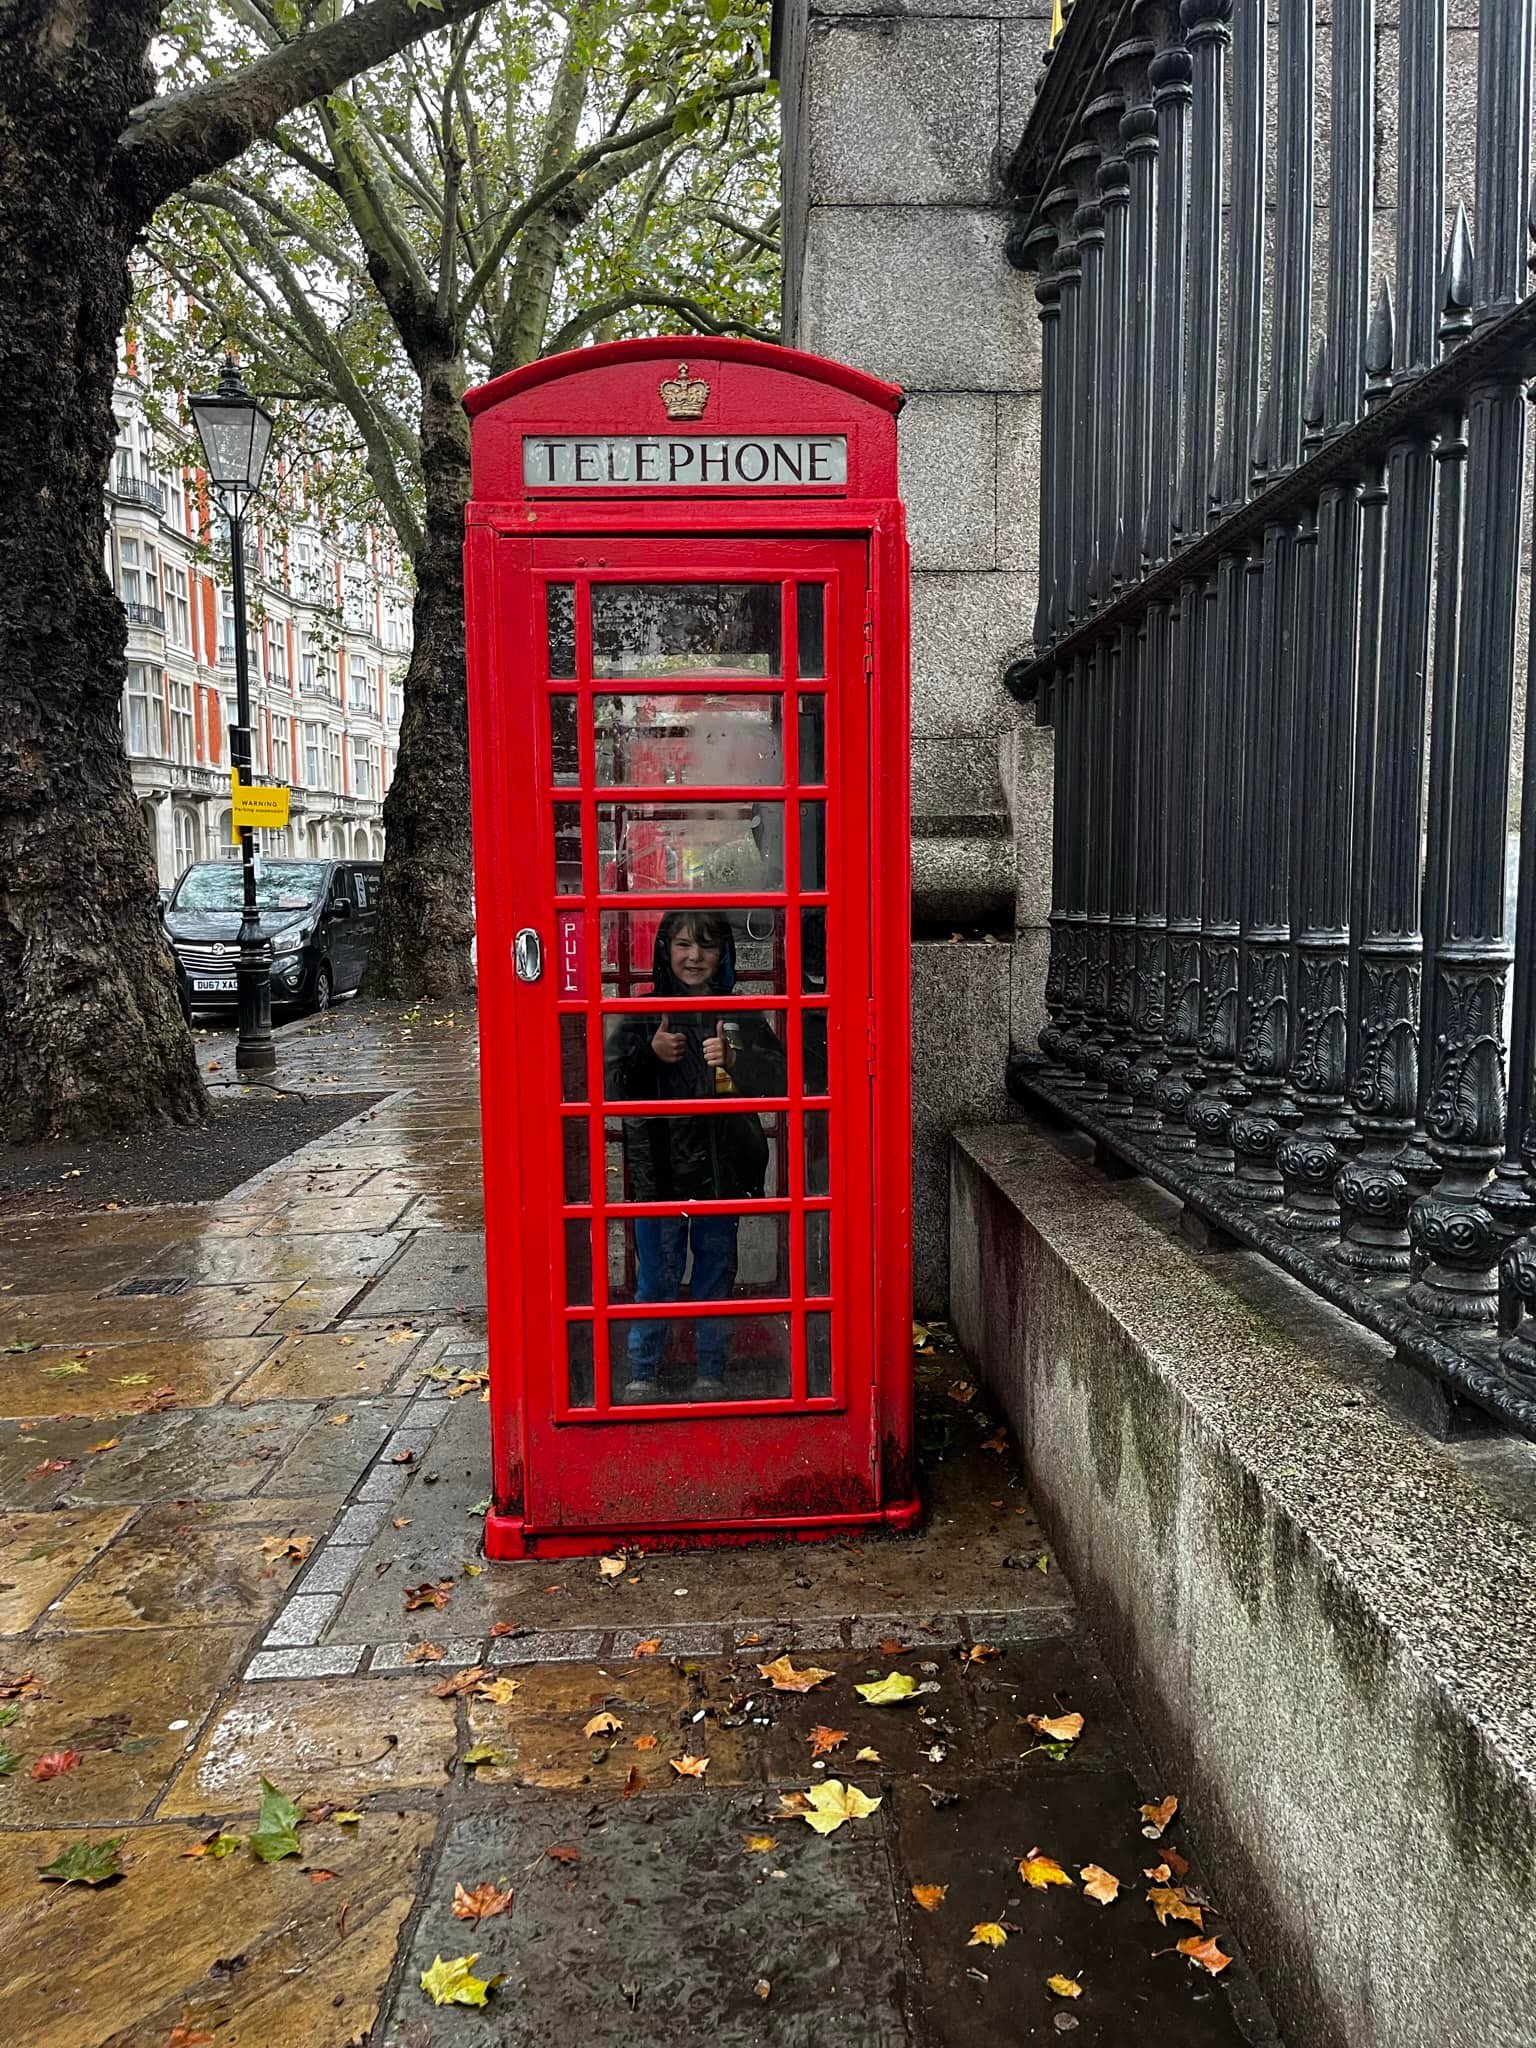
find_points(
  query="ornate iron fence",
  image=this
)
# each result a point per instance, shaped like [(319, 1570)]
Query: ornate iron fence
[(1283, 479)]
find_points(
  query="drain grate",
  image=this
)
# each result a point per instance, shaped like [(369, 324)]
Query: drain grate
[(144, 1285)]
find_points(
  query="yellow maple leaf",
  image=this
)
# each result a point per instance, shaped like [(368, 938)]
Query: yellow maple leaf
[(603, 1724), (1158, 1815), (868, 1756), (497, 1690), (1056, 1727), (1100, 1883), (987, 1934), (1064, 1987), (786, 1678), (451, 1983), (1169, 1903), (760, 1845), (832, 1802), (825, 1740), (930, 1896), (690, 1766), (889, 1691), (1204, 1953), (1040, 1871)]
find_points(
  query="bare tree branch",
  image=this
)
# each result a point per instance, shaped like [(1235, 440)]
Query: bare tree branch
[(699, 318)]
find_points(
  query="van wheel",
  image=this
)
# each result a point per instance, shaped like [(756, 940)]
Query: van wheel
[(322, 1001)]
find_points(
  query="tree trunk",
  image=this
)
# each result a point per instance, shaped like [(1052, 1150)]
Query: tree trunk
[(421, 947), (91, 1035)]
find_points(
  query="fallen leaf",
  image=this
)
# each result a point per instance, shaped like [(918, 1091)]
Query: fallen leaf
[(425, 1653), (962, 1391), (564, 1852), (1056, 1727), (349, 1819), (612, 1567), (690, 1766), (336, 1421), (1204, 1952), (987, 1934), (762, 1988), (869, 1756), (66, 1369), (761, 1845), (1099, 1883), (50, 1465), (455, 1688), (794, 1802), (483, 1753), (451, 1983), (996, 1443), (55, 1764), (1064, 1987), (90, 1863), (832, 1803), (497, 1690), (133, 1379), (401, 1457), (276, 1832), (889, 1691), (785, 1678), (404, 1522), (633, 1783), (184, 2035), (982, 1653), (426, 1595), (1159, 1873), (1158, 1815), (647, 1741), (36, 1345), (893, 1646), (648, 1648), (321, 1876), (603, 1724), (825, 1740), (1169, 1903), (749, 1642), (498, 1628), (483, 1903), (930, 1896), (1040, 1871), (217, 1845), (1175, 1862)]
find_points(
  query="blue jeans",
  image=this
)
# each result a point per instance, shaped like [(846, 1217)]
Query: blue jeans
[(661, 1249)]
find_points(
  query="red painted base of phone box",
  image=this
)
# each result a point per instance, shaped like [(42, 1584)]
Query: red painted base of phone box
[(508, 1536)]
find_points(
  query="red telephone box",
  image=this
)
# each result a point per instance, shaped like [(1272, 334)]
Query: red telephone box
[(687, 638)]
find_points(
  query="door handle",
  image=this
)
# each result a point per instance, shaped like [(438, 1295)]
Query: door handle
[(528, 954)]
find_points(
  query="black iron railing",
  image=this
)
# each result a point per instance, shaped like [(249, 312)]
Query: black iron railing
[(1276, 638), (138, 490), (148, 615)]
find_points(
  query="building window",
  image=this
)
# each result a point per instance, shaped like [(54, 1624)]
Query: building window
[(281, 738), (183, 743), (314, 757), (396, 704), (186, 839), (178, 613), (333, 758), (277, 653), (146, 712), (226, 625), (138, 574), (362, 769)]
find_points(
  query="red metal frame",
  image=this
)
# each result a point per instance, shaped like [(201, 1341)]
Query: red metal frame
[(573, 1479)]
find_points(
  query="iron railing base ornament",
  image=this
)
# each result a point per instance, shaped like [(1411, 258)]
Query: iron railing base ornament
[(1471, 1362)]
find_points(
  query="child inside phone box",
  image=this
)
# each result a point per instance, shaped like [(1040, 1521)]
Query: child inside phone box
[(686, 1055)]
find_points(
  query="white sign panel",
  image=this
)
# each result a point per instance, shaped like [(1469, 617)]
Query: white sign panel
[(742, 461)]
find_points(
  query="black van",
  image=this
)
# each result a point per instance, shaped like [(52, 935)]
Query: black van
[(319, 916)]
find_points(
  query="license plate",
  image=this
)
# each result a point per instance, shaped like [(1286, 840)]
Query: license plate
[(213, 985)]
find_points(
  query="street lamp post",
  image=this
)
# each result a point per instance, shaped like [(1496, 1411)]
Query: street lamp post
[(236, 432)]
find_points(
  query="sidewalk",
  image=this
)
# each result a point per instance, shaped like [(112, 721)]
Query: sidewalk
[(209, 1529)]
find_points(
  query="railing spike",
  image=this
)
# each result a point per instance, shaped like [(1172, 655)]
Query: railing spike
[(1317, 389), (1264, 436), (1456, 276), (1379, 335)]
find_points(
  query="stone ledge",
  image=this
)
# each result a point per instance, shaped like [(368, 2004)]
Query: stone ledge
[(1325, 1620)]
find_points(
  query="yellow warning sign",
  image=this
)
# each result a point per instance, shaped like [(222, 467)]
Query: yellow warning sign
[(265, 807)]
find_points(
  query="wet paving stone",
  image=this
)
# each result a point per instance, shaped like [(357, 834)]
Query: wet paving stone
[(120, 1379), (334, 1365), (660, 1932), (439, 1211), (113, 1700), (325, 1738), (324, 1214), (442, 1269), (314, 1306), (1135, 1987), (40, 1554), (252, 1954), (340, 1440), (176, 1568), (193, 1453), (81, 1318), (342, 1255), (40, 1460)]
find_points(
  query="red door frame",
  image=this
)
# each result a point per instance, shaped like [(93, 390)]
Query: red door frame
[(782, 1484)]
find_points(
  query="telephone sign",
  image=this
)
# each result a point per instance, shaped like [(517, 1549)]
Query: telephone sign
[(686, 588)]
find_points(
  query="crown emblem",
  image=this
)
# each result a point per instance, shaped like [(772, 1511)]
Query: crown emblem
[(684, 397)]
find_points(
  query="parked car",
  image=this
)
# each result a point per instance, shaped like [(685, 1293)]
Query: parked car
[(319, 915)]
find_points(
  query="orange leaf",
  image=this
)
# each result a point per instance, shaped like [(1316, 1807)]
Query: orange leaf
[(55, 1764), (646, 1741), (321, 1876), (425, 1653), (787, 1679), (930, 1896), (603, 1724), (483, 1903), (633, 1783), (1056, 1727), (498, 1628), (1159, 1873), (1170, 1904), (426, 1595), (825, 1740), (892, 1646), (1040, 1871), (982, 1653), (109, 1443), (455, 1688), (564, 1852), (1099, 1883), (1204, 1952), (648, 1648), (184, 2035), (996, 1443), (1158, 1815), (690, 1766)]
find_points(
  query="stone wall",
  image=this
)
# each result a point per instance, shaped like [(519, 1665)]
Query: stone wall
[(896, 120), (1324, 1619)]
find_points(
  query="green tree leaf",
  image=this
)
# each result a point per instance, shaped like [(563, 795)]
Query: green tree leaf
[(86, 1863), (276, 1833)]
